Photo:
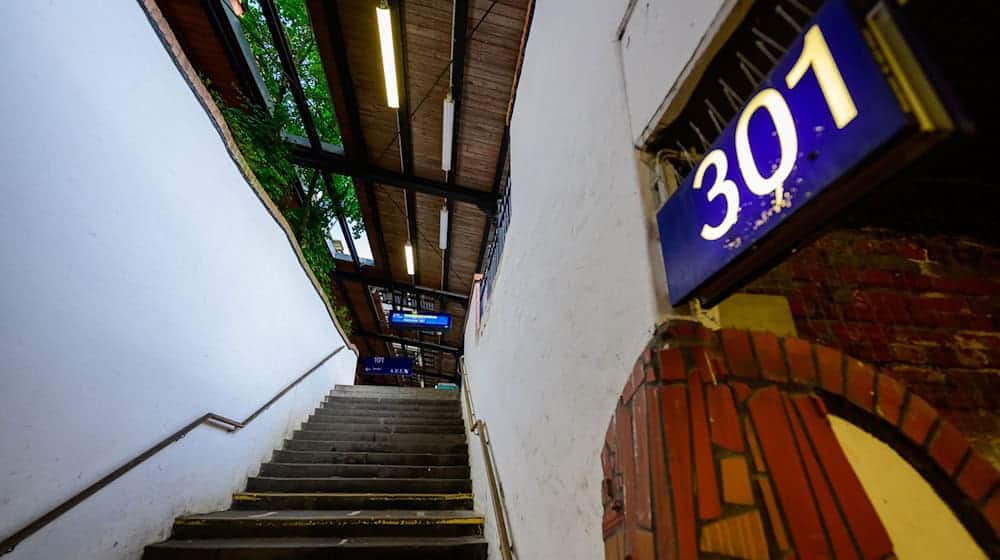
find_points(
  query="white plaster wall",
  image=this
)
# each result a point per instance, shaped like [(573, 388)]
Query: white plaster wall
[(576, 296), (658, 43), (143, 284)]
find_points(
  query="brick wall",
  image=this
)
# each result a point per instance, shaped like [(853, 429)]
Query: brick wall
[(923, 308), (720, 446)]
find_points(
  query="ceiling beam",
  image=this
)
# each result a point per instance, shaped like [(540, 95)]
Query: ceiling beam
[(372, 282), (498, 175), (412, 342), (336, 163), (353, 133), (280, 41), (459, 25), (236, 50), (404, 132)]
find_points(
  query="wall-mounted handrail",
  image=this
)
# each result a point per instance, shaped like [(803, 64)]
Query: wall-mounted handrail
[(210, 418), (478, 426)]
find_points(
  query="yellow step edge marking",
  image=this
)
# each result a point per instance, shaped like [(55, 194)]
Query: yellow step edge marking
[(188, 522), (257, 496)]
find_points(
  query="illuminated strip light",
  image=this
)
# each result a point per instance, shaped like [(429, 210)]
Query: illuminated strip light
[(388, 54), (447, 128), (408, 250)]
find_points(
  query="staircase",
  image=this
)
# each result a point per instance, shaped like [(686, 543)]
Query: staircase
[(375, 473)]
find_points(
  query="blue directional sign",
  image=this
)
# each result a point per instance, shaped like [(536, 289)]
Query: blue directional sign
[(824, 110), (424, 321), (379, 365)]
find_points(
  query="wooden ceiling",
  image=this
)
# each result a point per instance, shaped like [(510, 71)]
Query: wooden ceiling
[(394, 156)]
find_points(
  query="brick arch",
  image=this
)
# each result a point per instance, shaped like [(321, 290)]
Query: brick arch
[(720, 445)]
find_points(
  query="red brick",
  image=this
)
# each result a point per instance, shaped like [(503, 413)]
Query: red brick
[(890, 398), (650, 374), (743, 392), (640, 423), (758, 457), (777, 441), (626, 456), (840, 539), (918, 419), (736, 481), (772, 363), (800, 361), (723, 418), (860, 384), (948, 447), (672, 366), (736, 345), (666, 544), (777, 525), (709, 506), (830, 369), (862, 519), (683, 329), (676, 422), (991, 511), (635, 380), (977, 477)]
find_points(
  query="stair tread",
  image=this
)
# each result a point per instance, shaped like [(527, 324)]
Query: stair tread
[(307, 542), (271, 516)]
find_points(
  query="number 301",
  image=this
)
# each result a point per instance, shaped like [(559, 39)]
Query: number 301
[(816, 55)]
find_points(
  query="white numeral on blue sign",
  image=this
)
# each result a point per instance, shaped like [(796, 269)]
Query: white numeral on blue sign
[(816, 55)]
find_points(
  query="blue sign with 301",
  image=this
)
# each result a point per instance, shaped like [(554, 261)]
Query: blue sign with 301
[(824, 109)]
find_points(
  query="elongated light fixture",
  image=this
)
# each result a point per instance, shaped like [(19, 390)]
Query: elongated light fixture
[(447, 127), (388, 54), (443, 233), (408, 249)]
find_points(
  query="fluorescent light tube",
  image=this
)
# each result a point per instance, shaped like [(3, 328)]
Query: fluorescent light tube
[(443, 233), (408, 249), (388, 55), (447, 127)]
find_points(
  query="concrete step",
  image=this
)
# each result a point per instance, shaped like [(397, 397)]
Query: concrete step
[(329, 523), (417, 393), (340, 435), (454, 548), (378, 401), (372, 458), (380, 485), (380, 412), (356, 446), (423, 428), (388, 420), (300, 470), (352, 501)]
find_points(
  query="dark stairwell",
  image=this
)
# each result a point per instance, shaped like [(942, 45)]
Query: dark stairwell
[(375, 473)]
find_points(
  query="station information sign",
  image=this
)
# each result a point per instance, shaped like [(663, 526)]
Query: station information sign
[(381, 365), (825, 111), (424, 321)]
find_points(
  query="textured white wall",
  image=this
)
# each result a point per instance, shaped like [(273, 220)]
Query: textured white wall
[(575, 300), (143, 284)]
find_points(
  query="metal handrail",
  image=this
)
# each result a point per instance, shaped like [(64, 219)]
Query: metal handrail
[(478, 426), (210, 418)]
